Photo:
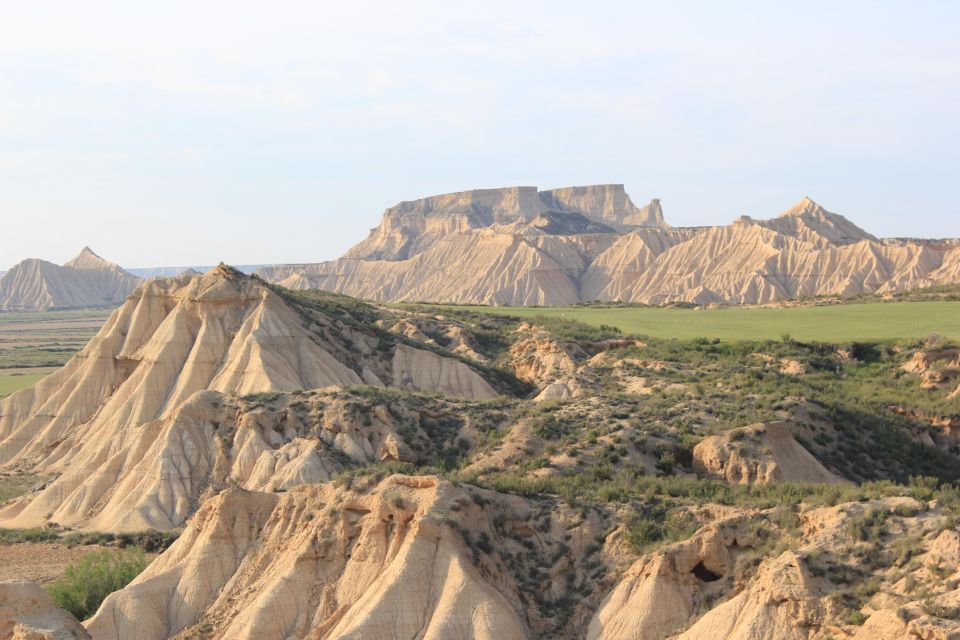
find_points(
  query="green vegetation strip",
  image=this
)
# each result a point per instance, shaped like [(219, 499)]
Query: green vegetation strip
[(89, 581), (827, 323), (11, 383)]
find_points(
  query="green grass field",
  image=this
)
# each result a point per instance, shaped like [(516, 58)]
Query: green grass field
[(10, 382), (829, 323), (32, 345)]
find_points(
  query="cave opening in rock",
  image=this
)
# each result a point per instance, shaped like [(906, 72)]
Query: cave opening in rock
[(703, 574)]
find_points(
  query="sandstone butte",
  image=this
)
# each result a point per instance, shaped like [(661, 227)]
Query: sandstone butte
[(521, 246), (229, 408), (87, 281)]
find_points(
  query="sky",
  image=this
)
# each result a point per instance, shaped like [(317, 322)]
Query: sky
[(189, 132)]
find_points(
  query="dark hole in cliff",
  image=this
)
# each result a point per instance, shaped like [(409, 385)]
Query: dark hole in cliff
[(703, 574)]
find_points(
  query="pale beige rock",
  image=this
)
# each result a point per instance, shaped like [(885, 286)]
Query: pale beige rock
[(658, 594), (157, 477), (86, 281), (792, 367), (784, 603), (938, 369), (134, 444), (409, 227), (913, 622), (319, 562), (707, 587), (607, 203), (759, 454), (28, 613), (518, 246), (563, 389), (922, 361), (539, 358), (419, 369)]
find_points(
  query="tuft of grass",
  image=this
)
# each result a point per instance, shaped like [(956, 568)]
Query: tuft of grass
[(16, 485), (88, 582)]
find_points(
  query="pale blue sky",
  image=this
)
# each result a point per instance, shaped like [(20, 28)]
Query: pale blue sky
[(165, 133)]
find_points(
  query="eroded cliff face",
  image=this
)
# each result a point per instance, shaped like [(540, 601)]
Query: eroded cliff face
[(406, 557), (760, 454), (728, 581), (417, 557), (137, 422), (608, 203), (412, 227), (519, 246)]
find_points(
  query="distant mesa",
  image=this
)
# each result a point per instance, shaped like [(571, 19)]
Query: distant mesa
[(521, 246), (86, 281)]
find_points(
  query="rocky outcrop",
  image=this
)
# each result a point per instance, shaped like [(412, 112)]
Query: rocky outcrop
[(320, 561), (660, 592), (915, 621), (539, 358), (28, 613), (724, 582), (607, 203), (156, 477), (759, 454), (483, 267), (937, 368), (809, 222), (519, 246), (785, 602), (417, 369), (135, 443), (87, 281)]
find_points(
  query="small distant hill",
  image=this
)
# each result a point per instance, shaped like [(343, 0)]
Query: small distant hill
[(87, 281), (169, 272), (521, 246)]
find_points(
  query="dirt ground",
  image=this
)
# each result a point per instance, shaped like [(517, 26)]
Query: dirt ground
[(40, 561)]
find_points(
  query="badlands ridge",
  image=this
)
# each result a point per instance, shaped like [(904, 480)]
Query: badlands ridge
[(521, 246), (341, 470)]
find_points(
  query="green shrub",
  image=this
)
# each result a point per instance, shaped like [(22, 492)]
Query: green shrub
[(858, 617), (37, 534), (93, 577)]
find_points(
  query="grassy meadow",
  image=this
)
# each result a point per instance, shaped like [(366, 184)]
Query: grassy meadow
[(32, 345), (826, 323)]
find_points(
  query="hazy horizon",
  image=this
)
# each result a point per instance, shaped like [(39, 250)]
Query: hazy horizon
[(184, 134)]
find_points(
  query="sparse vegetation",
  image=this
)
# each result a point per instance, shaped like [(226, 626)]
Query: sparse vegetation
[(95, 576), (150, 541), (610, 467)]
